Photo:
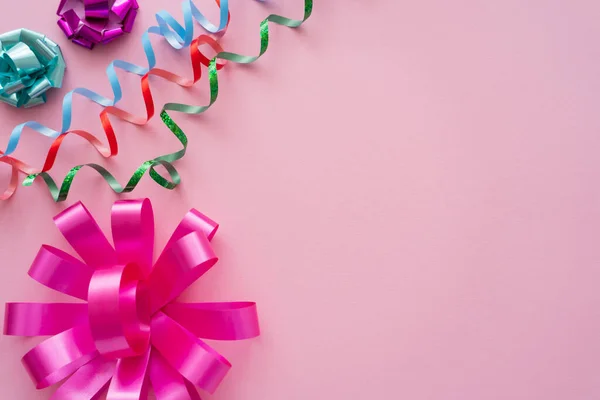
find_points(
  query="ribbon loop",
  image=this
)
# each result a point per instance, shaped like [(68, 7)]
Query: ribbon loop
[(59, 356), (41, 319), (168, 384), (130, 381), (194, 221), (218, 321), (85, 236), (118, 311), (87, 382), (133, 233), (191, 357), (185, 261), (61, 271)]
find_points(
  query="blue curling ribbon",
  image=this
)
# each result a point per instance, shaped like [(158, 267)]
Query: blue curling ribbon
[(177, 36), (30, 65)]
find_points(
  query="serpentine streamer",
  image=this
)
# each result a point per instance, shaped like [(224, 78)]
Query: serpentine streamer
[(179, 37)]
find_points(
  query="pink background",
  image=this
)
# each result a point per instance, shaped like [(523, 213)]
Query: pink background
[(410, 190)]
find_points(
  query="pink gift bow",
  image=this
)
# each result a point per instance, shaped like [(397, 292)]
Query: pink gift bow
[(129, 330)]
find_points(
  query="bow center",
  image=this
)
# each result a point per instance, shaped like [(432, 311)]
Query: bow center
[(119, 312)]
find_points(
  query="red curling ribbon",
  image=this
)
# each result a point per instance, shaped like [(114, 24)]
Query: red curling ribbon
[(128, 336), (59, 195), (112, 149)]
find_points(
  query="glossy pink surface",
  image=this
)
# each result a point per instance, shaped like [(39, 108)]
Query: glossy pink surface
[(408, 190), (123, 322)]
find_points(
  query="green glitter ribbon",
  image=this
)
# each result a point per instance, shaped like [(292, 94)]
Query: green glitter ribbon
[(60, 194)]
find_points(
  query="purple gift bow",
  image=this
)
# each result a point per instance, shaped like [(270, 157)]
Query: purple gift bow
[(94, 27), (129, 333)]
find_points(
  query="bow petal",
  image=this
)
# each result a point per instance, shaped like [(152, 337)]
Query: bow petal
[(96, 8), (219, 321), (62, 272), (194, 221), (59, 356), (41, 319), (87, 382), (191, 357), (121, 7), (133, 233), (85, 236), (168, 384), (130, 381), (178, 267)]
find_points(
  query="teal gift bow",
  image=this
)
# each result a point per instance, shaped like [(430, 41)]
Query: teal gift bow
[(30, 64)]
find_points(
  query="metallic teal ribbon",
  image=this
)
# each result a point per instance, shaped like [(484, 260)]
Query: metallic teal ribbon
[(30, 64)]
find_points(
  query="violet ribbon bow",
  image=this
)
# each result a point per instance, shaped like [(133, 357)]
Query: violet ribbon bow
[(129, 334), (102, 22)]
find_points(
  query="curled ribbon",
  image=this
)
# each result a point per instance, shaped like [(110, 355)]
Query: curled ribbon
[(130, 332), (30, 65), (100, 21), (177, 36)]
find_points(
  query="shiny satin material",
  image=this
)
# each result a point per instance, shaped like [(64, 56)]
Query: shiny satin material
[(30, 65), (41, 319), (190, 356), (60, 355), (85, 236), (130, 378), (87, 382), (168, 384), (185, 261), (99, 22), (133, 233), (178, 36), (61, 271), (129, 335), (119, 313), (217, 321)]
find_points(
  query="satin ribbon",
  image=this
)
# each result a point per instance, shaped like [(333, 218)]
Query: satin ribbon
[(30, 65), (130, 333), (178, 36), (97, 22)]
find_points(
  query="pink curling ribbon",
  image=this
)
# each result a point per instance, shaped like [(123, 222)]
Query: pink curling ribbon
[(129, 334), (89, 22)]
